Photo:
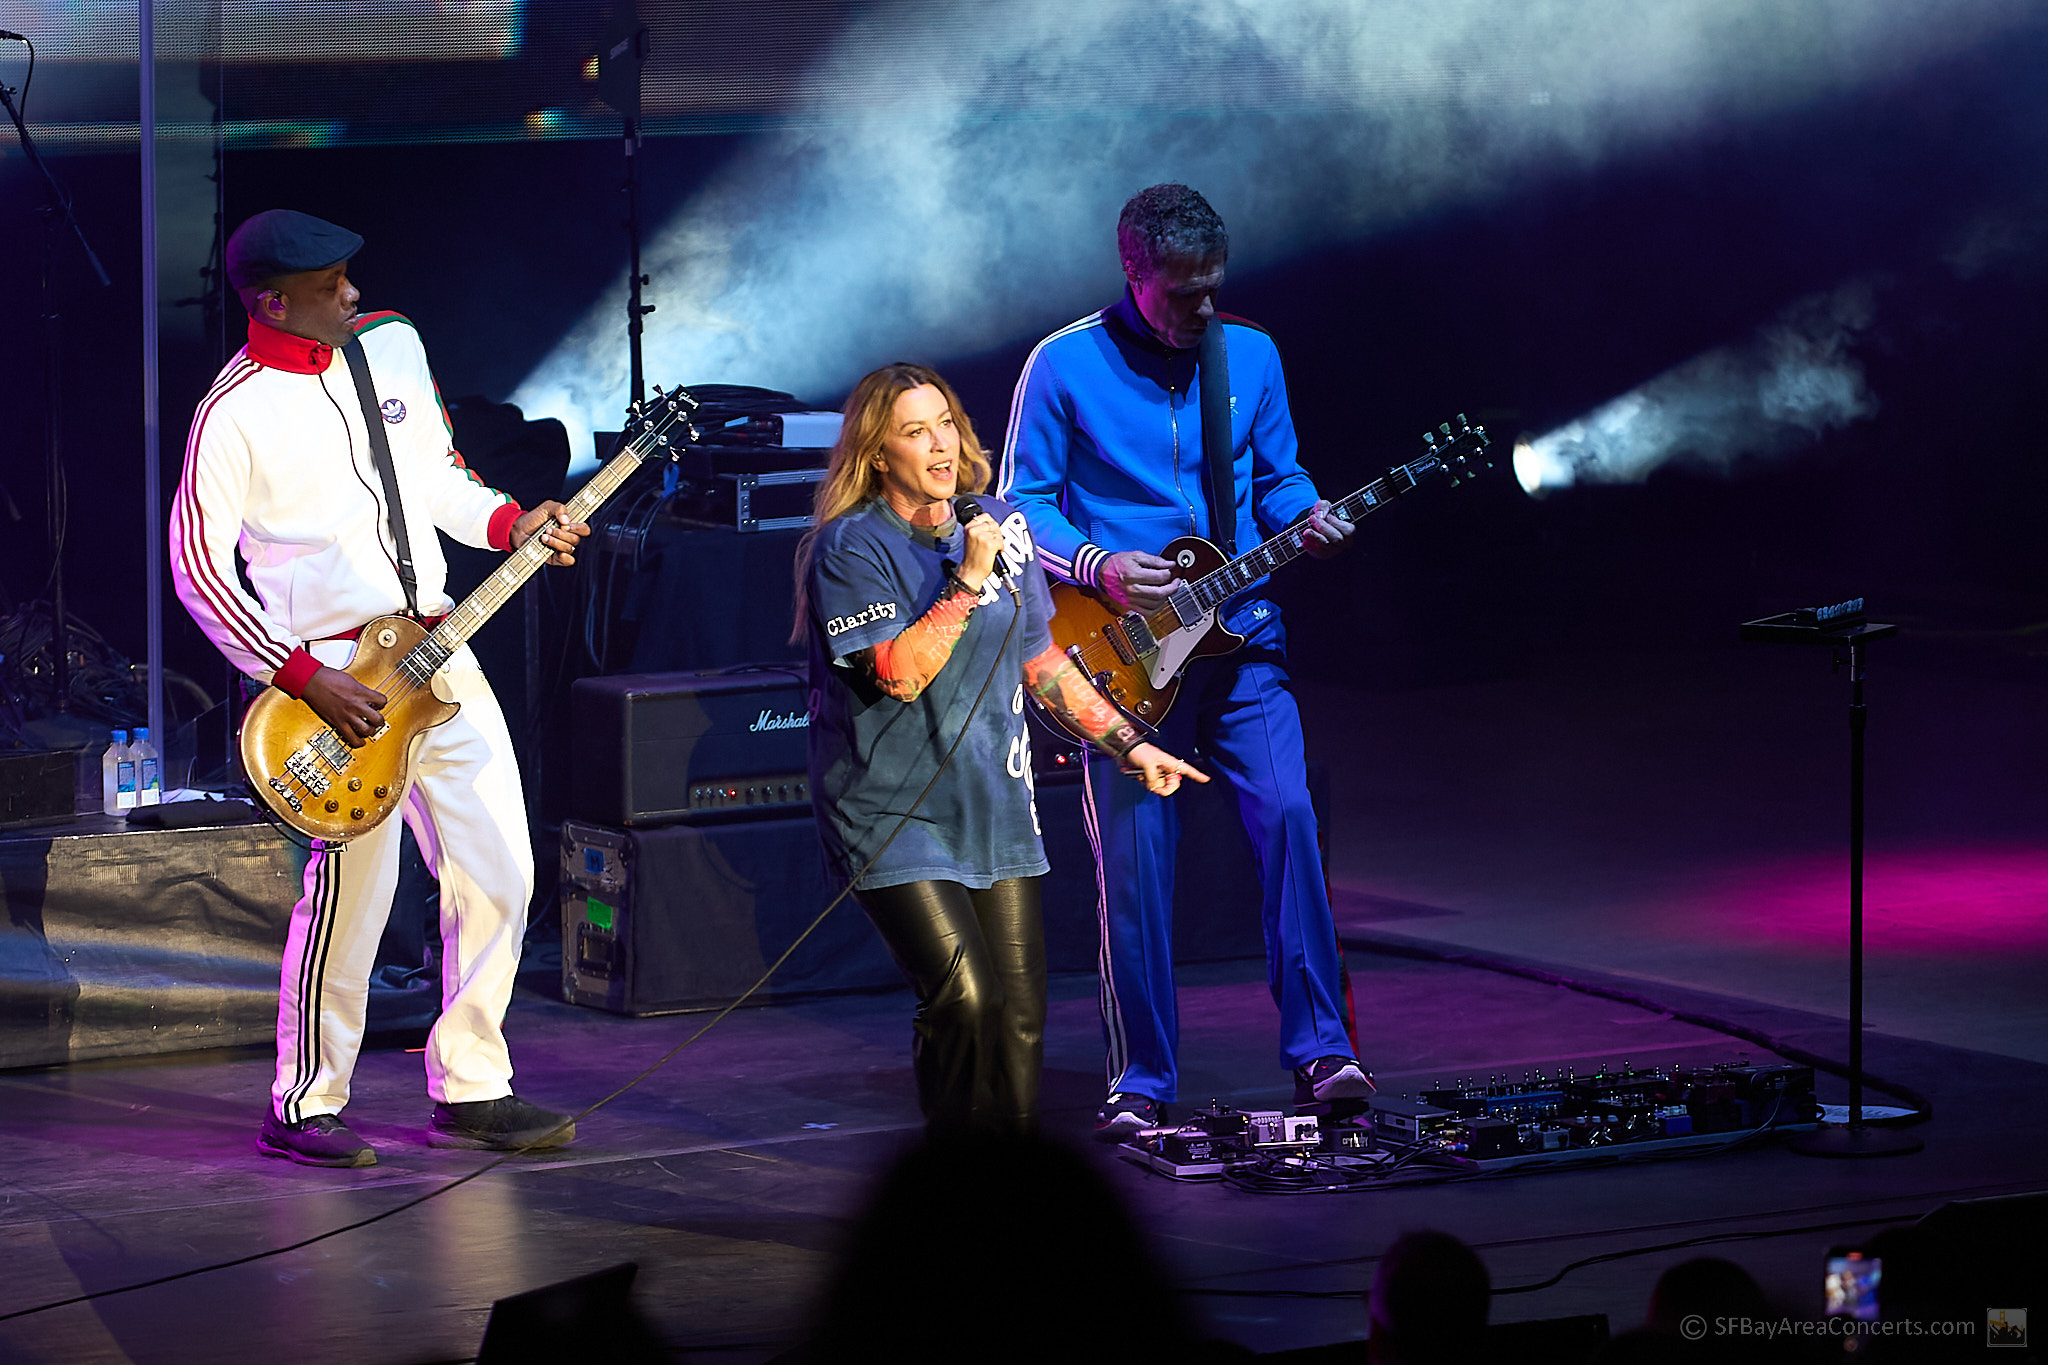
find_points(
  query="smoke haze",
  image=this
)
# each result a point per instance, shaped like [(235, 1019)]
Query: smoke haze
[(954, 184), (1796, 379)]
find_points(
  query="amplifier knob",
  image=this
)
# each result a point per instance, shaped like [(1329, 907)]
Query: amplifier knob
[(356, 814)]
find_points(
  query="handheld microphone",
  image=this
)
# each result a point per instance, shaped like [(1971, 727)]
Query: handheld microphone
[(967, 509)]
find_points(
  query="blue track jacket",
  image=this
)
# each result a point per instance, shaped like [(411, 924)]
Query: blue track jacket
[(1104, 448)]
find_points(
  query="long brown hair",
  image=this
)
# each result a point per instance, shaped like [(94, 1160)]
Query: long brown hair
[(852, 479)]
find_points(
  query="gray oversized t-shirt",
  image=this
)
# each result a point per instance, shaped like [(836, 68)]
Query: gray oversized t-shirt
[(872, 575)]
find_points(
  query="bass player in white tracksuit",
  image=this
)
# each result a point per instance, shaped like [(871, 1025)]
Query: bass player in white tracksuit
[(279, 466)]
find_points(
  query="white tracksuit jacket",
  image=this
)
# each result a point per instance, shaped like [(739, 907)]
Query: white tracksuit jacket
[(278, 463)]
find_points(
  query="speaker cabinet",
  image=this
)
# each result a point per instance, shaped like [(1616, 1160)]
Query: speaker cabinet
[(686, 917)]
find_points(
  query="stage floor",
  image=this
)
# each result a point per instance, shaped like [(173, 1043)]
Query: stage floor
[(1642, 823), (729, 1176)]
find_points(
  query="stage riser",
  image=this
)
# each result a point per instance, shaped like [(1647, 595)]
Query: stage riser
[(141, 942)]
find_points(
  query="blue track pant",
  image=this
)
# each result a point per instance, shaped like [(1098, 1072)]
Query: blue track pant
[(1238, 712)]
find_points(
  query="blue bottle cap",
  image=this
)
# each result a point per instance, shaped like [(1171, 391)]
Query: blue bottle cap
[(120, 736)]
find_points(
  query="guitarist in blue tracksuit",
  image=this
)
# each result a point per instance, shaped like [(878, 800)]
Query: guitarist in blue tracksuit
[(1105, 458)]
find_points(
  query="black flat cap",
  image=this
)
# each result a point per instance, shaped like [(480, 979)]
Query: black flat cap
[(284, 242)]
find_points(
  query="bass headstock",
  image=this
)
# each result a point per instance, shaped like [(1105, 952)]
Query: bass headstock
[(1460, 447)]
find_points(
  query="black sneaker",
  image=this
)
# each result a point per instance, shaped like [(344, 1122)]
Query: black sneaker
[(323, 1140), (501, 1125), (1123, 1115), (1331, 1078)]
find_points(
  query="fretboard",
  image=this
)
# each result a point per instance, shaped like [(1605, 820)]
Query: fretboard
[(428, 655), (1214, 588)]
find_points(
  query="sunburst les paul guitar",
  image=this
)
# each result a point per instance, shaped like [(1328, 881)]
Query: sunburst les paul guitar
[(309, 777), (1136, 658)]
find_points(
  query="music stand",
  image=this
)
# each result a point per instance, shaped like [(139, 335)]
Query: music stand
[(1843, 630)]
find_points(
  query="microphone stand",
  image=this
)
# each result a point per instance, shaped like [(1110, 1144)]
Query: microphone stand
[(56, 214), (1851, 638)]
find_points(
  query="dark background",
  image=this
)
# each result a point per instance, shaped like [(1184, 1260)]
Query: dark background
[(1524, 313)]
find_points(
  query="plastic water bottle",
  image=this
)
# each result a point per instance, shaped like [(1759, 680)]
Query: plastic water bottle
[(117, 771), (149, 778)]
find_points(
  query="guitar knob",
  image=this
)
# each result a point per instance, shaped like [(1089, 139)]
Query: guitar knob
[(333, 806), (381, 791), (355, 784), (356, 814)]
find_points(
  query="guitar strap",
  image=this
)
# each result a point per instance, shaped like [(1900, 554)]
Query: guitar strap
[(1212, 362), (380, 452)]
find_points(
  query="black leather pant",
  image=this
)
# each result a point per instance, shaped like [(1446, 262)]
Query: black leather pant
[(977, 962)]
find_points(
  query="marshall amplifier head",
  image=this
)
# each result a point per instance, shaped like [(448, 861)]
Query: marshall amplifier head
[(663, 748)]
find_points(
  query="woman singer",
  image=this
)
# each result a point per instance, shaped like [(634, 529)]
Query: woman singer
[(928, 618)]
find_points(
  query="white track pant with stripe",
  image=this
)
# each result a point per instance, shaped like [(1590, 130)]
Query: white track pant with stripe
[(467, 812)]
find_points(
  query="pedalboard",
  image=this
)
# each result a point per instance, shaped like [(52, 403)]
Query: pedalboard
[(1495, 1124), (1213, 1139), (1567, 1112)]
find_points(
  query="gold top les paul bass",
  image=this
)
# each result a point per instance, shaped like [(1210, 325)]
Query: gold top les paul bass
[(309, 777), (1136, 659)]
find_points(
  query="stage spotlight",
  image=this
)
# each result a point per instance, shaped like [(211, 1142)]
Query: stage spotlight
[(1530, 467)]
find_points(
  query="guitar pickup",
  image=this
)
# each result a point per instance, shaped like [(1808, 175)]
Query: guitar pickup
[(1130, 637), (329, 746)]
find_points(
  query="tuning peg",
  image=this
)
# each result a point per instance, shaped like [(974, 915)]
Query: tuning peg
[(1429, 438), (1445, 428)]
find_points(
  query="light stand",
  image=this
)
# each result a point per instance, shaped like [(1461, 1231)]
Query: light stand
[(1844, 631), (619, 65)]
